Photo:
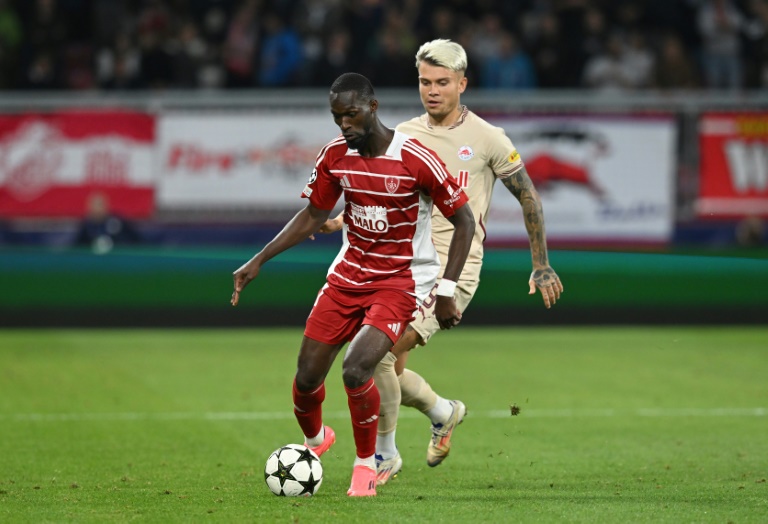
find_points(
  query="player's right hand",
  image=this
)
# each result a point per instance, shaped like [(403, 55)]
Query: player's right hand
[(242, 277)]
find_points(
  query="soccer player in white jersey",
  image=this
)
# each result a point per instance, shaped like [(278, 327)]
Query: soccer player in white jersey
[(476, 154), (386, 267)]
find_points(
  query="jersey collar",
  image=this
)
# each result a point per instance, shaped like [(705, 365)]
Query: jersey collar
[(459, 121)]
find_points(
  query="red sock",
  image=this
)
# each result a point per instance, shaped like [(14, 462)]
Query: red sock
[(308, 408), (364, 407)]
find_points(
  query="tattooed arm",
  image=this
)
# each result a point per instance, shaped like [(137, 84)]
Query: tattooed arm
[(543, 276)]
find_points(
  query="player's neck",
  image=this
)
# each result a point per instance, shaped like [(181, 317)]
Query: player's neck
[(448, 119), (378, 141)]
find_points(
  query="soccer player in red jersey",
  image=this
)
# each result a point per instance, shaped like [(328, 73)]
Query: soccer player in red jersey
[(387, 264)]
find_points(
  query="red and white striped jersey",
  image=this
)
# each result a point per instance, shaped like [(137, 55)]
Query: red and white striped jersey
[(387, 214)]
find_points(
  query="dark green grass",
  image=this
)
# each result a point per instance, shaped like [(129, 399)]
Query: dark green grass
[(617, 425)]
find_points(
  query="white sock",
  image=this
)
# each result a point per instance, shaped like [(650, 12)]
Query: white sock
[(385, 445), (318, 439), (441, 411), (368, 462)]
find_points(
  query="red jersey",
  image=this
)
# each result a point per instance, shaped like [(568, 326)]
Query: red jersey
[(388, 205)]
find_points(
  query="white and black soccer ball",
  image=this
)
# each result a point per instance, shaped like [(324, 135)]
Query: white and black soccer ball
[(293, 471)]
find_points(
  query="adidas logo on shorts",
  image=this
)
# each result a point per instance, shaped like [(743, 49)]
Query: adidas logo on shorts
[(395, 328)]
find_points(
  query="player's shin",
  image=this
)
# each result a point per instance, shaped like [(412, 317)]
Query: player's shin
[(416, 392), (364, 408), (389, 391), (308, 408)]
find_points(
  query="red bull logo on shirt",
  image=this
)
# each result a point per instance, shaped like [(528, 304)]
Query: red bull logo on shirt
[(466, 153)]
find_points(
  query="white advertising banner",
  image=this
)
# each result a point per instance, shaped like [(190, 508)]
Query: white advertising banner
[(225, 160), (601, 179)]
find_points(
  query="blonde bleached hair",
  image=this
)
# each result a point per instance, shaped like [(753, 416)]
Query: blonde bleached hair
[(443, 53)]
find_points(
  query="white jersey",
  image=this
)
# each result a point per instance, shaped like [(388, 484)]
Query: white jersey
[(476, 154)]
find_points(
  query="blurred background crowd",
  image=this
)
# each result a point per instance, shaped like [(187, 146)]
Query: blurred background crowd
[(524, 44)]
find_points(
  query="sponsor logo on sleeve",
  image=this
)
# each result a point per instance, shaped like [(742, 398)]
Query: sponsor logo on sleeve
[(307, 191), (454, 198), (514, 156)]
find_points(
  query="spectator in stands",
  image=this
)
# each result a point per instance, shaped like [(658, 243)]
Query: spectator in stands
[(335, 59), (595, 32), (548, 53), (756, 48), (571, 16), (41, 73), (442, 24), (640, 59), (393, 65), (674, 69), (363, 19), (750, 232), (10, 39), (240, 45), (486, 39), (49, 43), (511, 68), (101, 229), (188, 54), (281, 53), (720, 24), (610, 70), (119, 66)]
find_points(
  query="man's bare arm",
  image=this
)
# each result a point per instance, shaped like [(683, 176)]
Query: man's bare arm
[(306, 222), (543, 276), (446, 312)]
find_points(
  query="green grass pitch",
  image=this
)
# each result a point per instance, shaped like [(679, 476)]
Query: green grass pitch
[(617, 425)]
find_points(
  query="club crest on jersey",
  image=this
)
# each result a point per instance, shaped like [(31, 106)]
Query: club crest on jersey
[(313, 176), (465, 153), (391, 183), (370, 218)]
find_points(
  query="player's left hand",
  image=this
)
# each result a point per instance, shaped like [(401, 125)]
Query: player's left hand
[(548, 282), (331, 225), (446, 312)]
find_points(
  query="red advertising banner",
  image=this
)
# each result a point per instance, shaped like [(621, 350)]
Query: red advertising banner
[(734, 165), (51, 164)]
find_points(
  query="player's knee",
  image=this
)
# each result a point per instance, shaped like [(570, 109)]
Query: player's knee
[(355, 376), (306, 381)]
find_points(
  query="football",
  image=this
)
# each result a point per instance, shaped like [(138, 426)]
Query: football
[(293, 471)]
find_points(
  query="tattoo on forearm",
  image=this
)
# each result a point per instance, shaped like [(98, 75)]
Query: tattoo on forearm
[(521, 187)]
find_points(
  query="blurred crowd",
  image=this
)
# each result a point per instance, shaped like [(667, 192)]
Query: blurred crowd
[(512, 44)]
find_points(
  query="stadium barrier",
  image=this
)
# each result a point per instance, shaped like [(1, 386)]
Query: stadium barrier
[(202, 175)]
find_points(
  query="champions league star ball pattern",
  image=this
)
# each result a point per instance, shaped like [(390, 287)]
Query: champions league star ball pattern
[(293, 471)]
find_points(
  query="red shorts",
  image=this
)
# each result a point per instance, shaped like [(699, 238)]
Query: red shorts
[(338, 315)]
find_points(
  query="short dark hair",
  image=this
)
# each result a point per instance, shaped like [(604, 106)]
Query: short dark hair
[(353, 82)]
